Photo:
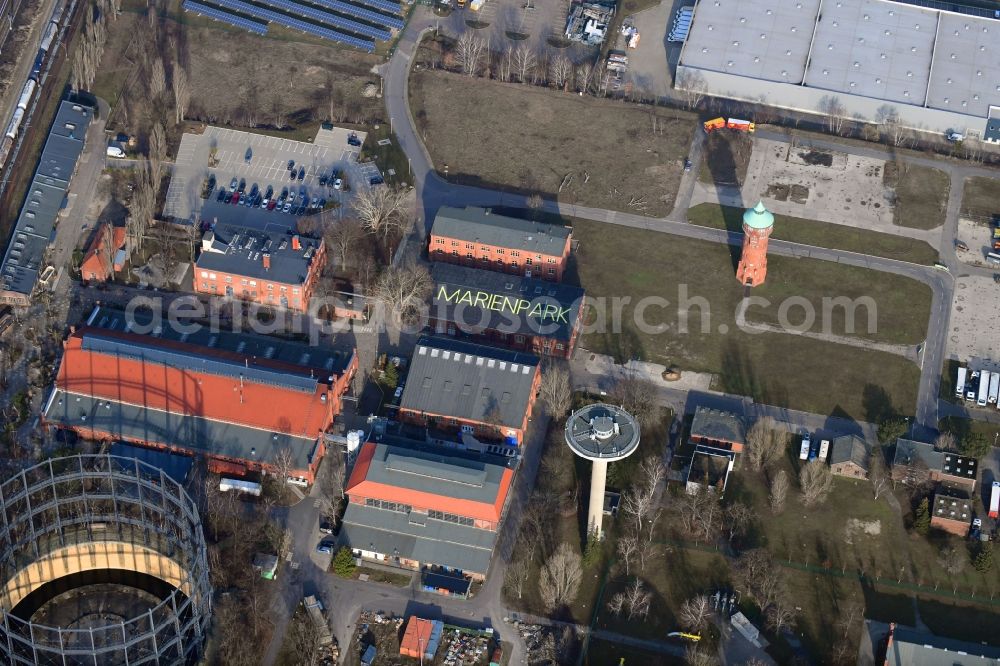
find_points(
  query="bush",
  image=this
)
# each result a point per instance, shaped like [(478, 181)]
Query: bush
[(343, 563)]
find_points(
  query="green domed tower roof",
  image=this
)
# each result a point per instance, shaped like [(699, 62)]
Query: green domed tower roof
[(758, 217)]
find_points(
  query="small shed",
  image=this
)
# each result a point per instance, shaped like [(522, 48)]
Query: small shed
[(421, 638), (266, 564), (368, 656), (850, 456)]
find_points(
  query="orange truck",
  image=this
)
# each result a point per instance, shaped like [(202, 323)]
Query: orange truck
[(741, 125), (714, 124)]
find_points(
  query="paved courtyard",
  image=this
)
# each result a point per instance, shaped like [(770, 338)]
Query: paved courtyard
[(267, 166), (652, 63), (975, 319)]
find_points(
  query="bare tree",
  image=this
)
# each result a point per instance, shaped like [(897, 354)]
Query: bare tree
[(887, 117), (284, 463), (517, 573), (779, 492), (700, 513), (157, 79), (945, 442), (182, 93), (695, 613), (764, 443), (781, 613), (616, 603), (816, 481), (952, 560), (524, 62), (693, 87), (636, 395), (343, 237), (469, 52), (835, 111), (695, 657), (559, 581), (878, 473), (505, 64), (157, 152), (556, 390), (399, 293), (560, 70), (141, 210), (756, 570), (628, 547), (639, 501), (584, 74), (637, 600), (381, 210), (740, 517)]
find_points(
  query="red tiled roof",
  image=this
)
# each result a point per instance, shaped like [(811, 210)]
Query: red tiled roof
[(222, 398), (95, 262)]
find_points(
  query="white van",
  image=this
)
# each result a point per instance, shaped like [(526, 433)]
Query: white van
[(115, 151)]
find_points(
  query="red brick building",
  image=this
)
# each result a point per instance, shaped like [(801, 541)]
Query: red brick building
[(271, 266), (457, 387), (414, 506), (952, 515), (105, 254), (758, 223), (479, 238), (520, 313), (248, 403)]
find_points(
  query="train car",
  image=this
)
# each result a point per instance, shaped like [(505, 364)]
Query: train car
[(14, 126), (26, 94), (50, 33)]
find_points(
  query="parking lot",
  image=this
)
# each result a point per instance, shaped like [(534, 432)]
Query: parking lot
[(264, 161)]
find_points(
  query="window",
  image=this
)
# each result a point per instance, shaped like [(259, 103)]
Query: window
[(527, 262), (211, 276), (204, 274), (469, 246), (388, 506), (515, 253), (519, 339), (485, 258), (243, 282), (500, 250), (204, 285), (550, 260), (284, 288), (270, 287), (499, 262), (454, 243), (229, 279), (454, 253), (439, 240), (560, 346), (295, 290), (552, 271), (468, 255), (450, 518)]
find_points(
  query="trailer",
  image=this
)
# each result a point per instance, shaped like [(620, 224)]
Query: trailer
[(824, 449), (994, 388), (741, 125), (239, 485), (971, 385), (960, 382), (995, 500), (984, 389), (806, 447)]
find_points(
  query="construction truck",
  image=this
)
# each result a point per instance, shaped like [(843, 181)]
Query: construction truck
[(741, 125), (714, 124), (995, 500)]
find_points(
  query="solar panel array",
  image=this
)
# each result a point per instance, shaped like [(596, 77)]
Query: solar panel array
[(297, 24), (219, 15), (384, 5), (328, 18), (362, 13)]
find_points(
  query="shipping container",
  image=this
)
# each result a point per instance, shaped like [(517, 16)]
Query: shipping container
[(960, 382), (984, 389), (994, 388)]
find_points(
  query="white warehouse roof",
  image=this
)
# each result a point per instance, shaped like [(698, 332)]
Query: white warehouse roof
[(874, 49)]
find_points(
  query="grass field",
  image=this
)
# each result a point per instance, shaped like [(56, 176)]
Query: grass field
[(774, 368), (727, 156), (605, 653), (530, 139), (821, 234), (921, 195), (981, 197), (282, 79)]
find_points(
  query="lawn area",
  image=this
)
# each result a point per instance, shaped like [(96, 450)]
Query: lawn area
[(921, 194), (774, 368), (981, 198), (387, 157), (379, 576), (606, 653), (966, 623), (583, 150), (820, 234), (727, 156)]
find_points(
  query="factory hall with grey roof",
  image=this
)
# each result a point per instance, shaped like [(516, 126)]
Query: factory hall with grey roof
[(870, 59)]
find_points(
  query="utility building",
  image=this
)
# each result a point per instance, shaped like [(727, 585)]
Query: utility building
[(875, 60)]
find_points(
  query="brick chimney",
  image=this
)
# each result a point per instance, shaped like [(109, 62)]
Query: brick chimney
[(296, 245), (267, 261)]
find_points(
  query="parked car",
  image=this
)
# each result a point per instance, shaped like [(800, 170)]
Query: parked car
[(243, 185), (302, 173), (263, 203), (687, 164), (292, 174), (235, 199), (315, 203), (222, 195), (243, 199), (233, 183), (322, 204), (211, 182), (337, 183), (325, 526), (323, 180), (291, 164), (287, 208), (249, 155), (272, 204), (376, 180), (325, 547), (353, 140)]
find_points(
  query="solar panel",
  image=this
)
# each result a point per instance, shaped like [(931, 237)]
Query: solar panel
[(384, 5), (219, 15), (328, 18), (362, 13), (296, 24)]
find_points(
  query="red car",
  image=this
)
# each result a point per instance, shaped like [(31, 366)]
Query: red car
[(271, 204), (235, 199)]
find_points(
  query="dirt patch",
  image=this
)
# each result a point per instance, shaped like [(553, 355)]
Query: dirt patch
[(798, 193), (583, 150), (817, 158), (778, 192), (920, 194), (727, 156), (856, 528)]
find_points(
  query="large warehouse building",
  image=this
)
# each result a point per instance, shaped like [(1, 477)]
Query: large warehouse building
[(935, 70)]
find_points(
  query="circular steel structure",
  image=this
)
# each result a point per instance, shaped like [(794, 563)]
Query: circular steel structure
[(602, 432), (95, 517)]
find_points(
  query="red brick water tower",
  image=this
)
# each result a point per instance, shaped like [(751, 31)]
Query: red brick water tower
[(757, 225)]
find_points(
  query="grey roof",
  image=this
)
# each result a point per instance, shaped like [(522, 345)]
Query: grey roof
[(882, 50), (36, 222), (850, 448), (539, 317), (240, 249), (321, 359), (427, 540), (192, 433), (449, 475), (479, 225), (469, 381), (718, 425), (914, 648), (583, 432), (908, 451), (175, 466)]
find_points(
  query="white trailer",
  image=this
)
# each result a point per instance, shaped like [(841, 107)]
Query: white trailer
[(239, 485), (972, 385), (960, 383), (804, 450), (994, 388), (984, 388), (824, 449)]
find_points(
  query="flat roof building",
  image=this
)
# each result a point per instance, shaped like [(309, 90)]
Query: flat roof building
[(412, 506), (951, 514), (909, 647), (480, 238), (459, 386), (510, 310), (270, 264), (915, 462), (241, 400), (934, 69), (22, 261)]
